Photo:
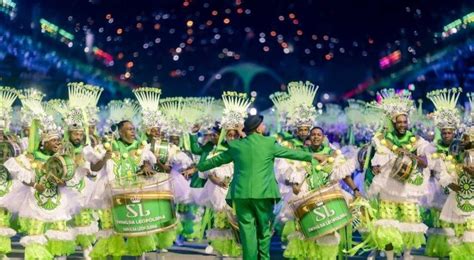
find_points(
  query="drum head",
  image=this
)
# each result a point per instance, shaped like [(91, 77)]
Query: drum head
[(4, 174), (8, 149), (59, 168)]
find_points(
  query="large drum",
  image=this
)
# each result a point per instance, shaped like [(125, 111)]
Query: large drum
[(144, 207), (321, 212), (8, 149), (161, 150), (59, 168), (403, 167)]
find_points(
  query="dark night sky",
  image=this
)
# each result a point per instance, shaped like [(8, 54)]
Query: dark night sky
[(335, 44)]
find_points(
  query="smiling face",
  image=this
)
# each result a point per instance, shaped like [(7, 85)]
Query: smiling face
[(401, 124), (317, 137)]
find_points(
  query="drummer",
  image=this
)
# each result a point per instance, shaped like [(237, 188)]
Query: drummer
[(333, 168), (458, 210), (128, 160), (83, 182), (447, 119), (45, 209), (300, 115), (7, 97), (400, 225)]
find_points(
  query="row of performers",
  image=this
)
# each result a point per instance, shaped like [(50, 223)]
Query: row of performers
[(57, 188), (55, 213)]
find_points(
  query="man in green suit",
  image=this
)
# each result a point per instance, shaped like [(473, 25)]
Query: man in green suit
[(254, 189)]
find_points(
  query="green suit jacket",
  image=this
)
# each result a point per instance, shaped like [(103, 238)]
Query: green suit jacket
[(253, 158)]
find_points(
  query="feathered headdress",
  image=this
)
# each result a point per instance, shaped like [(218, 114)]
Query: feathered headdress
[(149, 100), (172, 109), (82, 105), (48, 129), (7, 97), (282, 105), (393, 103), (445, 101), (120, 110), (85, 97), (301, 97), (235, 111)]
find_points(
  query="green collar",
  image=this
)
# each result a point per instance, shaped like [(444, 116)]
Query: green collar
[(441, 148), (38, 155), (399, 141), (122, 147), (323, 149)]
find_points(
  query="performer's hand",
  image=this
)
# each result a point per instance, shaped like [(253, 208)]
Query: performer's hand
[(421, 162), (108, 155), (240, 130), (296, 188), (357, 194), (469, 169), (39, 187), (454, 187), (223, 184), (189, 172), (376, 170), (90, 174), (147, 170), (319, 157), (195, 128)]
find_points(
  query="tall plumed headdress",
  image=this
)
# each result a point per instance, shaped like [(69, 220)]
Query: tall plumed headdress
[(172, 109), (149, 100), (394, 103), (31, 99), (8, 95), (282, 106), (301, 97), (82, 105), (120, 110), (445, 101), (235, 111)]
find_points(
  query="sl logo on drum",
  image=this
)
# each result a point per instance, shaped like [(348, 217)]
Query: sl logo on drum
[(322, 212), (136, 209)]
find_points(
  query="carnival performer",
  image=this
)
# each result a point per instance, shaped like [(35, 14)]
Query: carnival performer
[(77, 144), (152, 122), (319, 175), (399, 226), (446, 117), (459, 207), (47, 204), (9, 148), (214, 193)]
